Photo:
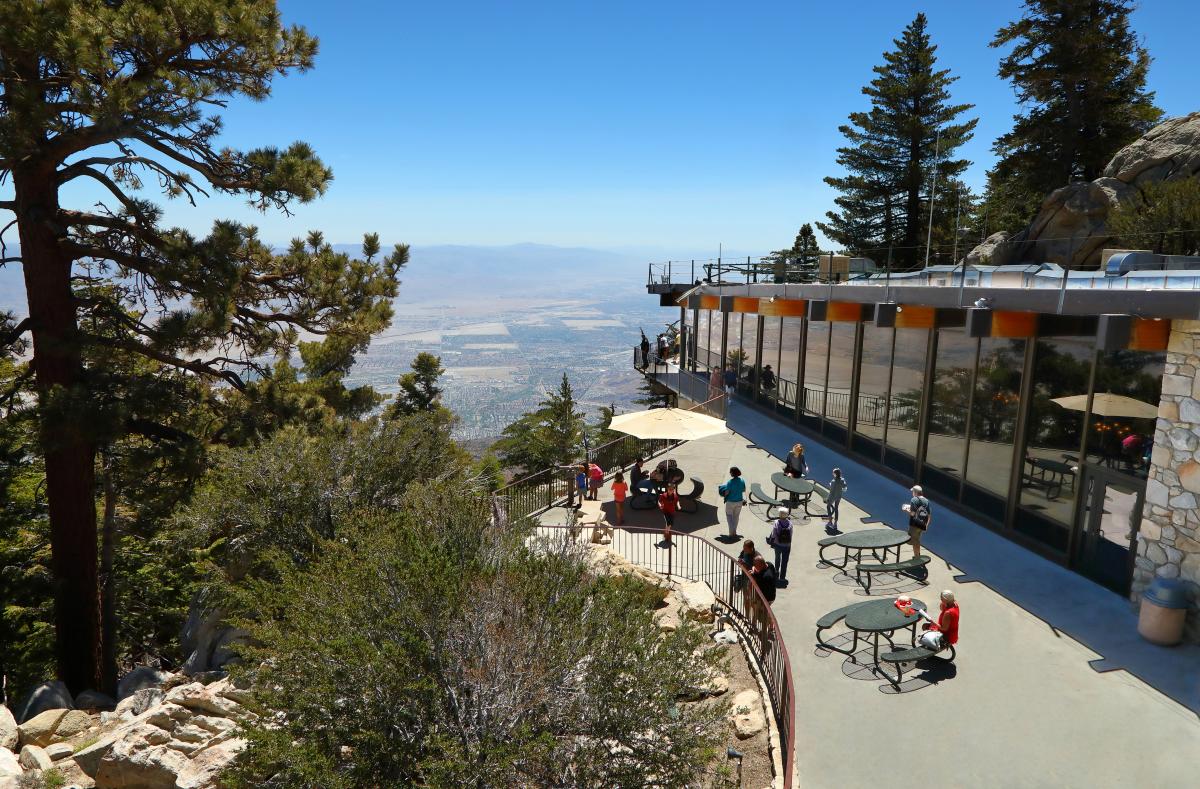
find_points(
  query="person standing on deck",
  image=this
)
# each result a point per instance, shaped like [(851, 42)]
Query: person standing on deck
[(715, 380), (920, 516), (645, 348), (837, 486), (668, 504), (734, 494), (781, 540)]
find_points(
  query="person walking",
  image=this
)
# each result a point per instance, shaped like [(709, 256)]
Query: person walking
[(781, 540), (730, 380), (620, 491), (715, 381), (837, 486), (795, 465), (668, 504), (645, 349), (581, 482), (734, 494), (920, 515)]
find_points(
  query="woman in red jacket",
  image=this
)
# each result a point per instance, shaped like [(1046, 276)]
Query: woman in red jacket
[(946, 625)]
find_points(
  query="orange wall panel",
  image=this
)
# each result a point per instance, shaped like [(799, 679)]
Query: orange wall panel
[(914, 317), (745, 304), (1014, 324), (1149, 335), (783, 308), (844, 311), (708, 302)]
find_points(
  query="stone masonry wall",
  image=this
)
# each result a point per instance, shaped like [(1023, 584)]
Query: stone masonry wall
[(1169, 539)]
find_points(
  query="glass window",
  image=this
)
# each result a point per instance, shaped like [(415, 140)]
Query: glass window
[(841, 368), (904, 405), (789, 361), (702, 339), (1061, 368), (814, 367), (994, 425), (749, 325), (873, 381), (733, 352), (951, 390), (1128, 386)]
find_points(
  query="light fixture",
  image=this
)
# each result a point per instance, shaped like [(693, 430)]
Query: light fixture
[(771, 300), (899, 308), (983, 303)]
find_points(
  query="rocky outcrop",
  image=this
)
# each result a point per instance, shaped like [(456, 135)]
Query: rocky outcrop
[(1071, 227), (178, 735), (8, 729), (747, 714)]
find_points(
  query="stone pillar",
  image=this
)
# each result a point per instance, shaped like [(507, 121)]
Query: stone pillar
[(1169, 538)]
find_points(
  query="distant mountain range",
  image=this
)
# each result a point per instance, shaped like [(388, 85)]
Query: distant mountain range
[(473, 272)]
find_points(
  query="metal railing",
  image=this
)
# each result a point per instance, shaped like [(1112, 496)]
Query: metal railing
[(696, 559)]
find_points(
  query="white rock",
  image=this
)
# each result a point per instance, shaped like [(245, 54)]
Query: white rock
[(695, 600), (9, 734), (89, 758), (59, 750), (202, 771), (136, 760), (39, 730), (747, 714), (9, 766), (197, 697), (34, 758), (139, 701)]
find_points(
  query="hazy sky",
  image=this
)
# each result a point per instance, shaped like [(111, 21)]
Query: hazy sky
[(668, 125)]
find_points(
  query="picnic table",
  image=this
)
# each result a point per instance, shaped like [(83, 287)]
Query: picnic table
[(872, 540), (800, 490), (1050, 475), (882, 618)]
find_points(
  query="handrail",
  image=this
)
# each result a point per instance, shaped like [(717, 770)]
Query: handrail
[(697, 559)]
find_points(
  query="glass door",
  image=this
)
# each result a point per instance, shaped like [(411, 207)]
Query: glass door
[(1106, 538)]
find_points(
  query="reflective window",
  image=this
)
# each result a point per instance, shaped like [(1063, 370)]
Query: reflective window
[(951, 390), (994, 425), (841, 367), (749, 325), (789, 362), (1061, 368), (873, 381), (904, 406), (814, 367), (1124, 410)]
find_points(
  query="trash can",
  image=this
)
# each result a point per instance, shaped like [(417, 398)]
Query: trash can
[(1164, 606)]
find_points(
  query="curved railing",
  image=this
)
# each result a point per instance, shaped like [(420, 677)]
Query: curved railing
[(696, 559)]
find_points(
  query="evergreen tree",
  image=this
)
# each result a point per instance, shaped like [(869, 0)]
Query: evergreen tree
[(550, 436), (806, 252), (1167, 221), (419, 390), (890, 157), (111, 94), (1080, 73)]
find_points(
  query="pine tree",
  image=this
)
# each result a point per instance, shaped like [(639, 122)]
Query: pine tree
[(806, 252), (550, 436), (111, 94), (1080, 73), (890, 157), (419, 390)]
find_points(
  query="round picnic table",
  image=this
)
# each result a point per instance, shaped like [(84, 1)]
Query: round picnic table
[(867, 540), (799, 490), (882, 618)]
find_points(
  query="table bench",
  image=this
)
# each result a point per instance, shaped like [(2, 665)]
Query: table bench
[(831, 619), (903, 567), (902, 656), (688, 501), (756, 492)]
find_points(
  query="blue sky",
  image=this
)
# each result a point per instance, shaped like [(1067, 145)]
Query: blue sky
[(660, 127)]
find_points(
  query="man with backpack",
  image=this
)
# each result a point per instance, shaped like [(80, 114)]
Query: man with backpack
[(781, 540), (919, 518)]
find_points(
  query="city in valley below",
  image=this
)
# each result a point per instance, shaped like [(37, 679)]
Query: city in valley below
[(503, 355)]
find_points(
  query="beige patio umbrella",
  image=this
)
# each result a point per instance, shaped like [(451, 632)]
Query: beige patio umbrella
[(1109, 404), (673, 423)]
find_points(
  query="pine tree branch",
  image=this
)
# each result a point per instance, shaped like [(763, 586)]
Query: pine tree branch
[(130, 204), (205, 368), (14, 334)]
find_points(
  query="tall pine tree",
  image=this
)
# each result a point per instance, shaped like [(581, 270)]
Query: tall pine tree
[(890, 157), (1080, 75), (120, 95)]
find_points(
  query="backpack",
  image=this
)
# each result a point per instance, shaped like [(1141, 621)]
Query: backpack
[(920, 512), (785, 535)]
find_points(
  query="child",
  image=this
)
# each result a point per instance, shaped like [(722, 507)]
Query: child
[(595, 480), (668, 502), (581, 483), (837, 486), (619, 489)]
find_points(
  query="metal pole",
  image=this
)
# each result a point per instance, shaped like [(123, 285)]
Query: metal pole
[(932, 195), (1062, 293), (887, 283), (962, 284)]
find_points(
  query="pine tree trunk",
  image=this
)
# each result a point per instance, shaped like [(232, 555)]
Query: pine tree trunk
[(68, 452), (108, 581)]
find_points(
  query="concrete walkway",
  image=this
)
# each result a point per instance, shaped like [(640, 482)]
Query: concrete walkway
[(1034, 698)]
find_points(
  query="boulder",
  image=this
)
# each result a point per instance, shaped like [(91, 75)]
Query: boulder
[(59, 750), (73, 723), (994, 251), (202, 770), (74, 777), (94, 700), (695, 600), (9, 735), (138, 702), (9, 765), (204, 699), (1169, 151), (34, 758), (606, 561), (39, 730), (747, 714), (88, 759), (135, 760), (138, 679), (47, 696)]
